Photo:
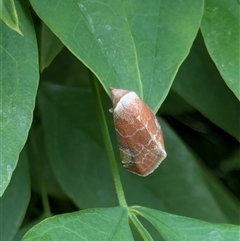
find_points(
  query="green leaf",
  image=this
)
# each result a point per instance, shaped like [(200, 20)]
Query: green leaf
[(90, 224), (14, 202), (221, 32), (173, 227), (8, 14), (135, 45), (18, 87), (50, 47), (199, 84)]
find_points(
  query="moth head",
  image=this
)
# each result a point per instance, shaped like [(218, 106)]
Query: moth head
[(125, 100), (117, 95)]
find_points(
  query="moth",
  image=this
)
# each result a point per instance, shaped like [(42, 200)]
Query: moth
[(139, 134)]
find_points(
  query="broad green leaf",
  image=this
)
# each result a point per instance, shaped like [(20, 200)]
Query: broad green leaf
[(221, 31), (173, 227), (14, 202), (199, 83), (90, 224), (18, 87), (8, 14), (79, 161), (50, 47), (135, 45)]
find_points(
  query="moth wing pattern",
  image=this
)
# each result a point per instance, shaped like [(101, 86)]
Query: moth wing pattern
[(138, 132)]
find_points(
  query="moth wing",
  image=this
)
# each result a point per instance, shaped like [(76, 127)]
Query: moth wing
[(140, 150)]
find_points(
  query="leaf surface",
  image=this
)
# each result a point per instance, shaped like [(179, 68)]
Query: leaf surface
[(133, 45), (9, 16), (18, 87), (221, 32), (198, 82), (90, 224), (50, 47), (14, 202), (174, 228)]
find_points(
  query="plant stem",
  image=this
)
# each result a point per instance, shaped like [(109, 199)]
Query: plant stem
[(108, 143), (42, 187), (45, 202)]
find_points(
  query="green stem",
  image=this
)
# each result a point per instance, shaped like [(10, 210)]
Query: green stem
[(108, 143), (42, 187), (46, 206)]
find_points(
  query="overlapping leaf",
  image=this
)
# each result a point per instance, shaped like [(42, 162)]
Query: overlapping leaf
[(18, 87), (50, 47), (127, 44), (8, 14), (14, 202), (221, 32), (199, 83), (172, 227)]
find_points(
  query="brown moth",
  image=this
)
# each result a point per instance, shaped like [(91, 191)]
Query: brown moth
[(139, 135)]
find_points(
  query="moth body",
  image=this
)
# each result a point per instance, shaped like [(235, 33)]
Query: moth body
[(139, 134)]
